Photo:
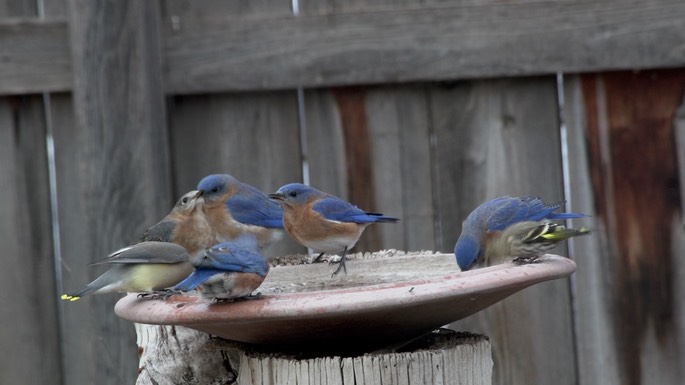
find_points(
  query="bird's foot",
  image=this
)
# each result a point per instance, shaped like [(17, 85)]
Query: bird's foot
[(239, 299), (525, 260), (318, 258), (159, 294), (252, 296), (341, 266)]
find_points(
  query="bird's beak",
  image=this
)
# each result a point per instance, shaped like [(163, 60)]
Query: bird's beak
[(276, 196), (200, 193)]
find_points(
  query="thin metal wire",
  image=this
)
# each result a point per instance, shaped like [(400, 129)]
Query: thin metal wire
[(301, 116), (54, 210), (566, 180)]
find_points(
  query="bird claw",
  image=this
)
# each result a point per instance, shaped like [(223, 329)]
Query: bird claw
[(527, 260), (238, 299), (318, 258), (159, 294), (341, 266)]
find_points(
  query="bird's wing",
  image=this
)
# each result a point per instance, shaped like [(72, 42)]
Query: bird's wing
[(160, 232), (147, 252), (336, 209), (231, 257), (255, 208), (507, 211)]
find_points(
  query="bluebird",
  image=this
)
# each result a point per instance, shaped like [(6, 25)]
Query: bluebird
[(489, 219), (141, 268), (228, 270), (236, 208), (155, 263), (323, 222), (528, 240)]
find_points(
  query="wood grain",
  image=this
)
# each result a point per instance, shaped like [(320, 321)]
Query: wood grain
[(209, 51), (596, 355), (633, 164), (399, 132), (434, 42), (27, 282), (114, 179), (459, 359), (35, 56)]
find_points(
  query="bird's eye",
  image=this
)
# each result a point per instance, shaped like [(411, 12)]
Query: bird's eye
[(293, 194), (184, 201), (215, 189)]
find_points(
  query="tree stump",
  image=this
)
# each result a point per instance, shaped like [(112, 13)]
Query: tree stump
[(178, 355)]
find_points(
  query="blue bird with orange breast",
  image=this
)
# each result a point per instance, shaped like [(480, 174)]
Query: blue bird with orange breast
[(323, 222), (228, 270), (236, 208), (486, 223)]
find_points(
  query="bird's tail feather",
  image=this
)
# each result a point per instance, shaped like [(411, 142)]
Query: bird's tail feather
[(76, 295), (565, 216), (378, 217)]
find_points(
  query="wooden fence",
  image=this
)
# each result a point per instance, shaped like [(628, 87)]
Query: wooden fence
[(110, 110)]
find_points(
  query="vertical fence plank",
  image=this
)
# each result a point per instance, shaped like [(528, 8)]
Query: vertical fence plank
[(28, 310), (112, 171), (27, 282), (401, 156), (325, 149), (501, 138), (597, 358), (633, 174)]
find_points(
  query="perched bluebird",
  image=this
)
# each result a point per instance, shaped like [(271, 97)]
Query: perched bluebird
[(140, 268), (323, 222), (489, 219), (236, 208), (526, 241), (154, 263), (228, 270)]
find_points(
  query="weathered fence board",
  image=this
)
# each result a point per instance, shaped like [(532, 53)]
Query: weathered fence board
[(35, 56), (402, 158), (596, 357), (628, 119), (434, 42), (501, 138), (114, 178), (27, 281), (209, 51)]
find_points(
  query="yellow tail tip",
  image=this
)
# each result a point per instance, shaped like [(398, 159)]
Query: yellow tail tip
[(68, 297)]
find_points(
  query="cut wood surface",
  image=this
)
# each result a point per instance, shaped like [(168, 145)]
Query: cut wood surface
[(179, 355)]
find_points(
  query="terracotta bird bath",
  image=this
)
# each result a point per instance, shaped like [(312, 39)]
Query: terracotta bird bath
[(386, 298)]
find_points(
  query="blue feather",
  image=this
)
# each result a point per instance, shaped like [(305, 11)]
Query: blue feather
[(195, 279), (256, 210), (336, 209)]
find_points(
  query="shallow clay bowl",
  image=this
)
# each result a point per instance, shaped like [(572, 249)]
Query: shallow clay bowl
[(384, 299)]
